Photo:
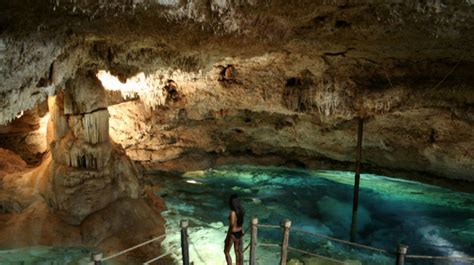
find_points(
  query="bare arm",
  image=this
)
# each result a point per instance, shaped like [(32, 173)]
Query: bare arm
[(232, 222)]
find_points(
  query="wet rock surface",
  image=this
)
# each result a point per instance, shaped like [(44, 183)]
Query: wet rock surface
[(194, 84), (427, 218), (253, 78), (86, 191), (86, 172)]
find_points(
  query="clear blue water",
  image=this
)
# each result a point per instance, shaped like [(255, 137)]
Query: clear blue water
[(430, 220), (45, 256)]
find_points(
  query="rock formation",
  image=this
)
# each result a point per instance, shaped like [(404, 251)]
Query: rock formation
[(10, 163), (87, 172), (26, 135), (284, 79), (196, 83), (86, 191)]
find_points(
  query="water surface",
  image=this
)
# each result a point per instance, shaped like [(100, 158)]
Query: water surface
[(46, 256), (430, 220)]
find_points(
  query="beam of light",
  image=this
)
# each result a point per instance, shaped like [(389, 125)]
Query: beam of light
[(133, 85), (149, 87), (149, 91)]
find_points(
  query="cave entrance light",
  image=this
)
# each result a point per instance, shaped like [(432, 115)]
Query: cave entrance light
[(147, 89)]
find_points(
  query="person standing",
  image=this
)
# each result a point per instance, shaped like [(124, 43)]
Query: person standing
[(235, 232)]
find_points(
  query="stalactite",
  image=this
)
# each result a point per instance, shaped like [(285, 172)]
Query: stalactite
[(298, 95), (57, 118), (96, 127), (87, 157), (80, 120)]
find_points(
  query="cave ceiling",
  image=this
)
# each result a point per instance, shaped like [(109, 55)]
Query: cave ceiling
[(369, 42), (302, 65)]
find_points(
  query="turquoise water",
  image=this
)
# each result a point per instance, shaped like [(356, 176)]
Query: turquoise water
[(430, 220), (45, 256)]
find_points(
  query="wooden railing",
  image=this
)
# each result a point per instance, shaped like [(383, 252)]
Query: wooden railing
[(284, 247)]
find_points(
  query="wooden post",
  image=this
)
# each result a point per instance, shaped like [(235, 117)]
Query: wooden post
[(284, 242), (96, 258), (184, 242), (402, 251), (355, 205), (253, 241)]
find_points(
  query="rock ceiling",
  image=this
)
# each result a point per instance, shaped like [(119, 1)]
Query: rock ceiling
[(260, 78)]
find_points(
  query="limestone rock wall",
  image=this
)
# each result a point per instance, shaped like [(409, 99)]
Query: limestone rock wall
[(302, 72), (304, 114), (26, 135), (87, 171), (10, 163), (86, 191)]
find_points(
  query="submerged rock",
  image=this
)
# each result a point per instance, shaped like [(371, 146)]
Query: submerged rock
[(334, 211)]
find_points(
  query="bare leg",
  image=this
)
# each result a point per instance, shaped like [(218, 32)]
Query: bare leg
[(227, 245), (238, 251)]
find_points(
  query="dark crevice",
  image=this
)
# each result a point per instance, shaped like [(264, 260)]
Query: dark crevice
[(341, 53), (90, 112), (319, 19), (342, 24), (51, 72)]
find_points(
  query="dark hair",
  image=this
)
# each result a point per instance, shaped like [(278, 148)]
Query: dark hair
[(234, 205)]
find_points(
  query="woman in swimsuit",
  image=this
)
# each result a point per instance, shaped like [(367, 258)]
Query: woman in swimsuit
[(235, 233)]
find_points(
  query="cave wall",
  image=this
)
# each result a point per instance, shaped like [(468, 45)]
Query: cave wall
[(26, 135), (301, 72), (404, 130), (86, 191)]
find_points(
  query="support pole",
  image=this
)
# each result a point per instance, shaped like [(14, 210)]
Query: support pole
[(402, 251), (96, 258), (184, 242), (284, 242), (253, 241), (355, 205)]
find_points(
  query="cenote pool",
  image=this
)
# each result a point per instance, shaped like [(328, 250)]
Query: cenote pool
[(45, 256), (430, 220)]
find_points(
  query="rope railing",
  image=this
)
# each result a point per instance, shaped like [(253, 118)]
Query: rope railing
[(341, 241), (268, 245), (269, 226), (97, 258), (246, 248), (440, 257), (246, 230), (401, 253), (316, 255), (133, 248)]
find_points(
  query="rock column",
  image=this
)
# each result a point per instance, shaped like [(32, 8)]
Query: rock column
[(87, 171)]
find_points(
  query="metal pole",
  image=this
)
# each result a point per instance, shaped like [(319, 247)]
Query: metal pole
[(355, 204), (96, 258), (184, 241), (402, 251), (253, 241), (284, 242)]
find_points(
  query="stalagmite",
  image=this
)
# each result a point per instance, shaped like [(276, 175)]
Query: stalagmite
[(96, 126), (88, 173)]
